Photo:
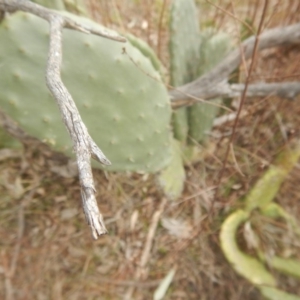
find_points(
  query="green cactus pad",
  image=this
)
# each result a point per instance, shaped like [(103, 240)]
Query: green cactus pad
[(184, 42), (180, 124), (171, 179), (126, 112), (214, 47), (184, 54), (200, 120)]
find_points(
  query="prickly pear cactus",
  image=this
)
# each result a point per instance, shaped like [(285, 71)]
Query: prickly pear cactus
[(126, 112), (184, 54), (171, 179), (184, 41), (214, 47)]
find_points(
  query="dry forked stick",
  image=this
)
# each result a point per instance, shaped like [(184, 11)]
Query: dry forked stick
[(211, 84), (287, 90), (83, 144)]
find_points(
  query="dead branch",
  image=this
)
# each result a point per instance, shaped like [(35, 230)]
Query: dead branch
[(205, 85), (287, 90), (83, 144)]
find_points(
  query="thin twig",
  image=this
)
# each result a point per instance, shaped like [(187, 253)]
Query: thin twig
[(11, 270), (287, 90), (141, 271), (243, 97), (83, 144), (160, 24), (150, 236), (225, 11), (219, 121)]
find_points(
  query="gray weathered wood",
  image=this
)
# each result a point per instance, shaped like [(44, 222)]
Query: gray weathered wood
[(205, 85)]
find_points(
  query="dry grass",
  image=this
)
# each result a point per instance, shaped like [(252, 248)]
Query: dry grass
[(46, 249)]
